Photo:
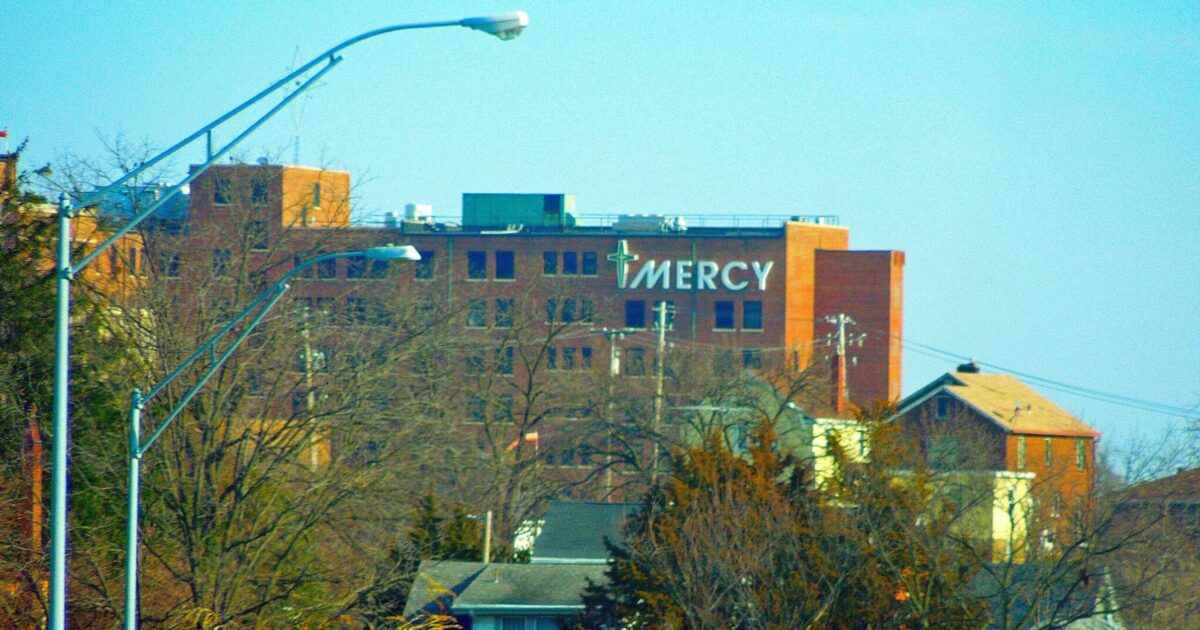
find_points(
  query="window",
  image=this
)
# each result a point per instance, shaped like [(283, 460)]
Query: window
[(635, 313), (505, 266), (568, 359), (476, 265), (299, 401), (570, 266), (133, 261), (476, 408), (114, 261), (586, 311), (379, 269), (324, 305), (1020, 452), (474, 360), (477, 313), (635, 365), (257, 231), (504, 312), (173, 266), (258, 192), (670, 306), (1049, 454), (327, 268), (356, 268), (504, 363), (723, 312), (752, 358), (551, 358), (356, 311), (585, 355), (752, 315), (551, 311), (568, 310), (381, 315), (503, 410), (424, 267), (316, 195), (220, 262), (1080, 453), (299, 260), (220, 191), (943, 407), (589, 263), (549, 263)]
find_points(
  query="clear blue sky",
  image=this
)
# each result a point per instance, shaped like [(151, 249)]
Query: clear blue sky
[(1039, 165)]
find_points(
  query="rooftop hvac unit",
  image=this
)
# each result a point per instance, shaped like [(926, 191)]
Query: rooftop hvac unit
[(650, 223), (418, 212)]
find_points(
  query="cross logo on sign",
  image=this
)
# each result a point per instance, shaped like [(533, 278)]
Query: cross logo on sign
[(622, 257)]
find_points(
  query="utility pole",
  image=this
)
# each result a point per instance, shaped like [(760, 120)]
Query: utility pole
[(661, 309), (839, 340), (614, 370)]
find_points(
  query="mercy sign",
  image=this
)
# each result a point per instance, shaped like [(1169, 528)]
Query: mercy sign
[(686, 275)]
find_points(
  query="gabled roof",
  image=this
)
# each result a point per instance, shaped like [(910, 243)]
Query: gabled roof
[(1182, 487), (455, 587), (1007, 402), (574, 531)]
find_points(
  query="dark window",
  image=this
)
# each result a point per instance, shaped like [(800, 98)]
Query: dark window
[(551, 358), (324, 305), (474, 360), (258, 192), (381, 315), (568, 358), (257, 231), (299, 260), (943, 407), (723, 311), (317, 195), (220, 191), (505, 266), (635, 363), (327, 268), (173, 266), (133, 261), (356, 268), (1080, 453), (356, 310), (299, 401), (549, 263), (585, 355), (752, 358), (586, 311), (379, 269), (476, 265), (551, 311), (476, 409), (220, 262), (114, 261), (568, 310), (503, 411), (570, 265), (504, 312), (424, 267), (477, 313), (589, 263), (504, 362), (670, 306), (635, 313), (752, 315), (1049, 454)]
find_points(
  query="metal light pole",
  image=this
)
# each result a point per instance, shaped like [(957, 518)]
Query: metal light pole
[(504, 26), (259, 307)]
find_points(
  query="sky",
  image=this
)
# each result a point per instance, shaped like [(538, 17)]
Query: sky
[(1038, 163)]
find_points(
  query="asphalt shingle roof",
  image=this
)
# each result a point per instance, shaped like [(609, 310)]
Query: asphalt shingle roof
[(1014, 405), (575, 530), (451, 586)]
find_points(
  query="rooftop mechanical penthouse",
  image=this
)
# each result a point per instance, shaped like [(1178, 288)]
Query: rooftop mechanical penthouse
[(760, 287)]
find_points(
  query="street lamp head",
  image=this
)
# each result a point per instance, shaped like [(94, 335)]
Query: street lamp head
[(392, 252), (506, 26)]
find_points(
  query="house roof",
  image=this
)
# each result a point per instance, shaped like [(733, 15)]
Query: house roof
[(1050, 595), (1006, 401), (1183, 486), (456, 587), (574, 531)]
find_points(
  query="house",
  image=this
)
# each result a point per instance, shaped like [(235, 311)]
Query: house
[(1045, 595), (967, 420)]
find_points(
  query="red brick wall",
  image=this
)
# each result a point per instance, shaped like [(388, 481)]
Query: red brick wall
[(867, 286)]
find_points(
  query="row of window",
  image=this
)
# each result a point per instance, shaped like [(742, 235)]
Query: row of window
[(356, 311), (724, 314), (1080, 453), (222, 192), (569, 358), (573, 263)]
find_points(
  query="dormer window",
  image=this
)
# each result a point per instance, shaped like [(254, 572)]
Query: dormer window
[(943, 407)]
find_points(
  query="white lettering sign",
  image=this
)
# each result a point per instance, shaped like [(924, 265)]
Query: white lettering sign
[(700, 275)]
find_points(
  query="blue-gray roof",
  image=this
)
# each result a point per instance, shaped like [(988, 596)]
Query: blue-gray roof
[(473, 588), (575, 531)]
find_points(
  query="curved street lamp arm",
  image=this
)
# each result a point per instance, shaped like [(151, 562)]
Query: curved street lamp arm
[(174, 190)]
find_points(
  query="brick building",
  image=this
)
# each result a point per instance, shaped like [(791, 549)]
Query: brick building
[(968, 420), (761, 291)]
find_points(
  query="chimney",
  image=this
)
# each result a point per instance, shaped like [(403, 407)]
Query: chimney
[(970, 367)]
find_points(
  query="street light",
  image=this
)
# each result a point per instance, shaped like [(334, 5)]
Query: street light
[(259, 307), (504, 26)]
